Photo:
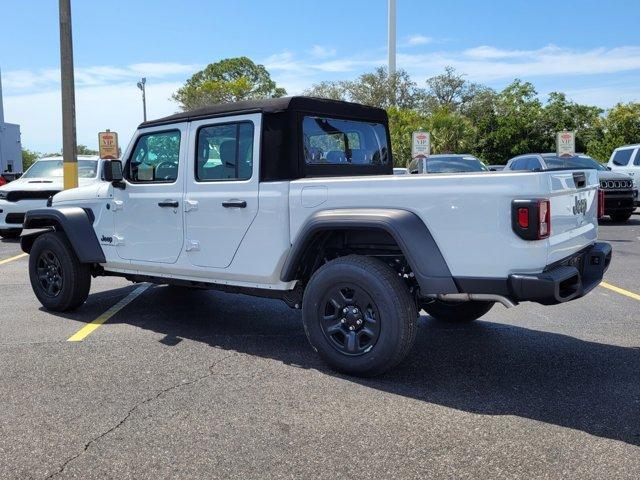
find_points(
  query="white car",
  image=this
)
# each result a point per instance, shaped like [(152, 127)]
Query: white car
[(627, 160), (301, 204), (32, 190)]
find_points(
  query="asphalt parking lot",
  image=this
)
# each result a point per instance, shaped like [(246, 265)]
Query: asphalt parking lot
[(213, 385)]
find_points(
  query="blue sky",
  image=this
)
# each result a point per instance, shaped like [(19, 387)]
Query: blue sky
[(589, 49)]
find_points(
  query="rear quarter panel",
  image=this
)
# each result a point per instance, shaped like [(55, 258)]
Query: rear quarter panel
[(469, 215)]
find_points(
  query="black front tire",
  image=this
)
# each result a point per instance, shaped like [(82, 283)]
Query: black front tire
[(58, 279), (11, 233), (457, 312), (620, 217), (387, 315)]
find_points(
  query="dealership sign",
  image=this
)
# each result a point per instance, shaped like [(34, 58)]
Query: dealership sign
[(420, 144), (566, 144), (108, 145)]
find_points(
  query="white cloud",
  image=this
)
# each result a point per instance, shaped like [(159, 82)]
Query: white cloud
[(416, 40), (488, 62), (107, 96), (19, 81), (117, 107), (319, 51)]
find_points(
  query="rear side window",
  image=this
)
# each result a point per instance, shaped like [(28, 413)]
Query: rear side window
[(331, 141), (155, 158), (622, 157), (524, 164), (225, 152)]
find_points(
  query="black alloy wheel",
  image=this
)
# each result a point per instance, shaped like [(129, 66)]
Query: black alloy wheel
[(50, 273), (350, 319)]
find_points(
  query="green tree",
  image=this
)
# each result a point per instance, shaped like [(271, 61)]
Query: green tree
[(451, 132), (229, 80), (332, 90), (517, 127), (449, 91), (84, 150), (376, 89), (28, 158), (620, 126), (402, 123), (560, 113)]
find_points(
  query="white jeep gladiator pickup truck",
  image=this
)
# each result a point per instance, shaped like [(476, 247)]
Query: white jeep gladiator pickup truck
[(295, 198)]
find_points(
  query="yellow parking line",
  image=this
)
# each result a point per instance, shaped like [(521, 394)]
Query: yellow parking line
[(621, 291), (11, 259), (90, 327)]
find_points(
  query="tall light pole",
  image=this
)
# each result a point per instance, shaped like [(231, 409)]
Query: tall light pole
[(392, 37), (69, 148), (392, 49), (141, 86)]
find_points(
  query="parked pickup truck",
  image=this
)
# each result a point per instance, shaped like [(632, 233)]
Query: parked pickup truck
[(295, 198)]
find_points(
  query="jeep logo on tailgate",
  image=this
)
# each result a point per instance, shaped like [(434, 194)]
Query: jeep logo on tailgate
[(580, 206)]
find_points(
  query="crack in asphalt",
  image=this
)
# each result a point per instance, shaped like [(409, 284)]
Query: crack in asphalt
[(138, 405)]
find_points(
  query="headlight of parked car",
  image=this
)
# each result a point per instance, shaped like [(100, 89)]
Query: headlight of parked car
[(3, 195)]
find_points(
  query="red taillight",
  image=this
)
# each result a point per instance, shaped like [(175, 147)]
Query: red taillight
[(2, 181), (600, 203), (523, 217), (544, 219)]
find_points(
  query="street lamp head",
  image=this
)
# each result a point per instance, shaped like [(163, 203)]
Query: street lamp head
[(141, 83)]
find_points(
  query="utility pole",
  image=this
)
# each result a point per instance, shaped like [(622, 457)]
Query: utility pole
[(69, 147), (141, 86), (392, 48)]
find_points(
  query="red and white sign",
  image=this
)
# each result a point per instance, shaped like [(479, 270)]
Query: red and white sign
[(420, 144), (108, 145), (566, 144)]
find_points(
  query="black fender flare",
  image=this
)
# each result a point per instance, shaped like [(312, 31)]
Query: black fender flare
[(74, 222), (407, 229)]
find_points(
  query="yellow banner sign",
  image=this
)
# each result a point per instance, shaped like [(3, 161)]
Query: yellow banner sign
[(108, 145)]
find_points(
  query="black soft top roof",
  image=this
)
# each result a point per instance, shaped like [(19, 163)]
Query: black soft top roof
[(277, 105)]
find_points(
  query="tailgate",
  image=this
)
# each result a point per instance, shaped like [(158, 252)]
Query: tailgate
[(574, 211)]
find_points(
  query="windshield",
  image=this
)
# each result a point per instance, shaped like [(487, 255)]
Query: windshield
[(454, 164), (53, 169), (573, 162)]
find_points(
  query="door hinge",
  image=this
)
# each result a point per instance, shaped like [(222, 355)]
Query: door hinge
[(118, 240), (192, 245), (190, 205), (118, 205)]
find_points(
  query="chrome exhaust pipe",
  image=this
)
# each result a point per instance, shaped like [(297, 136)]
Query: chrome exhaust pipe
[(484, 297)]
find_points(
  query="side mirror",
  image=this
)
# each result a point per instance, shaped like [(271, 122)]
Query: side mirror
[(112, 172)]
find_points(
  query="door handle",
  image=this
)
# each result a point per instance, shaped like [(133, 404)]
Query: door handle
[(168, 204), (234, 204)]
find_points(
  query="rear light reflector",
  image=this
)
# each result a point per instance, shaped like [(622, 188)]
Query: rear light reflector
[(544, 219), (600, 203), (523, 217)]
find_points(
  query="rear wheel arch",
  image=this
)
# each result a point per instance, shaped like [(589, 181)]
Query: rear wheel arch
[(372, 232)]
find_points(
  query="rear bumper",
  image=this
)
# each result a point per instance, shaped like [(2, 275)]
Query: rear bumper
[(566, 280), (571, 278)]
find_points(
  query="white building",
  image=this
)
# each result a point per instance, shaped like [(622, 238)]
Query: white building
[(10, 146)]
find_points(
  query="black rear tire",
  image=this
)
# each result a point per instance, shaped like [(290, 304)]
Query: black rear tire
[(11, 233), (58, 279), (457, 312), (620, 217), (378, 306)]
